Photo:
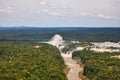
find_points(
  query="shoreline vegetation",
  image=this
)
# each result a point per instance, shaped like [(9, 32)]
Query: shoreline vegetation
[(98, 65), (66, 70), (30, 61), (80, 73)]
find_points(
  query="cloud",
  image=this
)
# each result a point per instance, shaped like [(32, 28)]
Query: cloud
[(39, 12), (6, 10), (43, 3), (105, 16), (52, 9), (115, 3), (55, 13), (51, 13), (45, 10), (55, 6), (86, 14)]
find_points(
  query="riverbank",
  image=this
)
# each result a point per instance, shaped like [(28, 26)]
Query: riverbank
[(75, 68)]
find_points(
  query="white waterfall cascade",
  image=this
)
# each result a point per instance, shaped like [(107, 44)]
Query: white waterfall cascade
[(56, 40)]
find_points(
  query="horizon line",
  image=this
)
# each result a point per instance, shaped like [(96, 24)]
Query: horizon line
[(60, 26)]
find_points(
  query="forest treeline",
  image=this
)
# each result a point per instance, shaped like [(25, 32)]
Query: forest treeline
[(68, 34), (30, 61), (99, 66)]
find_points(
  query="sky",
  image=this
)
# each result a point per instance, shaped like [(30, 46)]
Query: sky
[(60, 13)]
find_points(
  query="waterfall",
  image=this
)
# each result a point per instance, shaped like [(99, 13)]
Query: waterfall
[(56, 40)]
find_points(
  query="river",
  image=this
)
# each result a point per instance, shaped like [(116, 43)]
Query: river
[(74, 67)]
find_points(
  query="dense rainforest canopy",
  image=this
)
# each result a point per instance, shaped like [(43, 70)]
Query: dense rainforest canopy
[(30, 61), (45, 34), (99, 66), (21, 58)]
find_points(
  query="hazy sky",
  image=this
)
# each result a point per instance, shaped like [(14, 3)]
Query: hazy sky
[(60, 13)]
